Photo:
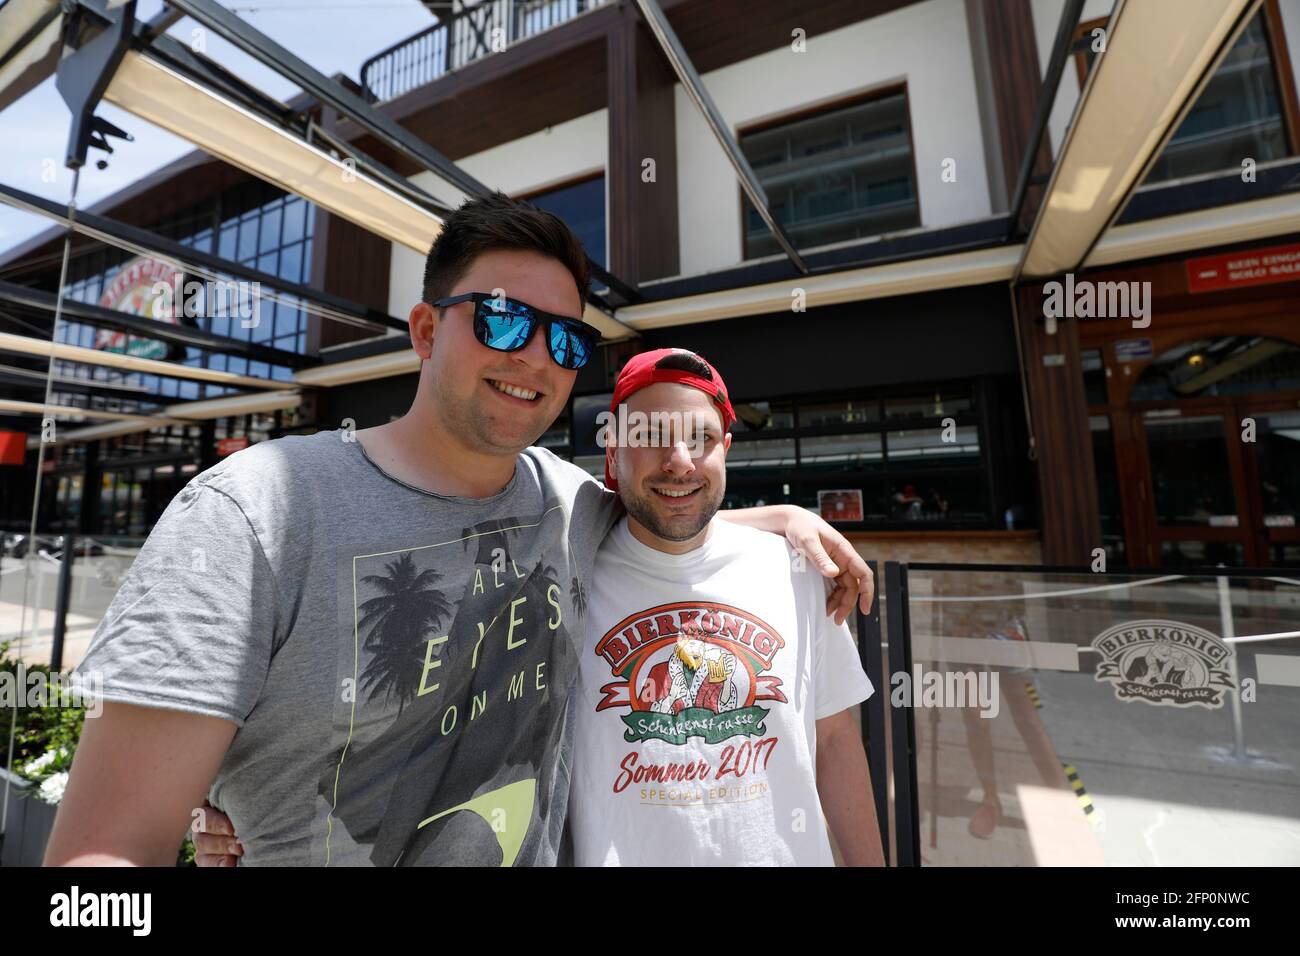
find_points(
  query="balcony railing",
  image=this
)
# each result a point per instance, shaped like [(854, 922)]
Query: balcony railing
[(470, 34)]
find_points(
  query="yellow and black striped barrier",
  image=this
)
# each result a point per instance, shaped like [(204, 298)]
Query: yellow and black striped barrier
[(1080, 792), (1032, 691)]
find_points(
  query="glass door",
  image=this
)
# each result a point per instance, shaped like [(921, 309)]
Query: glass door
[(1272, 463), (1199, 513)]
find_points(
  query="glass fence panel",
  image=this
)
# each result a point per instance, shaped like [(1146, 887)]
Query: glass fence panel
[(98, 568), (1104, 719)]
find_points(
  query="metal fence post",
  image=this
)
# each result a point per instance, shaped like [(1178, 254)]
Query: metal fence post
[(906, 813), (872, 711), (61, 602), (1226, 626)]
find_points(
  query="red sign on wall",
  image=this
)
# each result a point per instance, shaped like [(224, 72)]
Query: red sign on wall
[(13, 447), (228, 446), (1252, 267)]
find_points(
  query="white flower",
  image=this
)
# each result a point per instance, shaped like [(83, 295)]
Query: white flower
[(52, 787), (40, 763), (37, 767)]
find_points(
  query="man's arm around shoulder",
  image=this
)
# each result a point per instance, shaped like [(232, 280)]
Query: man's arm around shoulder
[(137, 774)]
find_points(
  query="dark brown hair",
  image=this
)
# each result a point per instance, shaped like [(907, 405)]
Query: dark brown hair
[(686, 362), (496, 221)]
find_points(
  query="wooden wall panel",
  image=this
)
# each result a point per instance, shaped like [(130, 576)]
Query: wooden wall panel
[(1017, 80), (642, 224), (1067, 487)]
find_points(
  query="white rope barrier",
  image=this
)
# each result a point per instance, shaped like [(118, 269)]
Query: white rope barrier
[(1251, 638), (1065, 592), (1029, 595)]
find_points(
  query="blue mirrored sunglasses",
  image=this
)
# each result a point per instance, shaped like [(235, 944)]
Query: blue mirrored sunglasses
[(507, 325)]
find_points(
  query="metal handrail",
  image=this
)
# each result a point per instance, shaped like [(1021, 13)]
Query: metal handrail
[(460, 39)]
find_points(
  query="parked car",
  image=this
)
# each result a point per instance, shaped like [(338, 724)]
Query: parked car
[(16, 545)]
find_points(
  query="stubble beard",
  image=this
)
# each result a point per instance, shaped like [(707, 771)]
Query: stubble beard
[(640, 507)]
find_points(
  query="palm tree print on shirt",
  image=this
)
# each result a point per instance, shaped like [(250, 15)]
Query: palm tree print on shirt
[(397, 623)]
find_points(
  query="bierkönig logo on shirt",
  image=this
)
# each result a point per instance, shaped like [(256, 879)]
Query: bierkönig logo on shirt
[(693, 669)]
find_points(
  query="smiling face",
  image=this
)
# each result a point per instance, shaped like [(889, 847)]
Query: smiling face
[(670, 495), (498, 402)]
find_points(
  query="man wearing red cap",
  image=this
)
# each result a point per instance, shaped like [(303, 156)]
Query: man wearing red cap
[(714, 711)]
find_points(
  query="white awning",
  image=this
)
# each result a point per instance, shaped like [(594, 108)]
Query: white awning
[(225, 129), (1157, 52)]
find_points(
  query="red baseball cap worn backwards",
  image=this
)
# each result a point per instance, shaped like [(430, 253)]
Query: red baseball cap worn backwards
[(644, 369)]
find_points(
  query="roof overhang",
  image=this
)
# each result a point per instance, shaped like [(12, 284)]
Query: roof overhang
[(1158, 55), (200, 114)]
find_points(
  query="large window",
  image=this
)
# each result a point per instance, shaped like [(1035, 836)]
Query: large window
[(255, 225), (1239, 114), (897, 460), (840, 174), (902, 461), (1110, 503), (582, 206)]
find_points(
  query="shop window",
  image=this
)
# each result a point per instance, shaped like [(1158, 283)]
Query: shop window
[(938, 405), (762, 417), (840, 457), (761, 453), (839, 174), (934, 447), (1277, 444), (1200, 554), (1190, 476), (1094, 376), (847, 412), (1109, 499), (851, 452), (756, 494), (938, 499), (1227, 365)]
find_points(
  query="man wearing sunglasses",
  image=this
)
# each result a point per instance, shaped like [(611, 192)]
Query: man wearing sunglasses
[(361, 646)]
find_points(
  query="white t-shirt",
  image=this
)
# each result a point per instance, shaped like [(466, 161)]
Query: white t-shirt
[(702, 678)]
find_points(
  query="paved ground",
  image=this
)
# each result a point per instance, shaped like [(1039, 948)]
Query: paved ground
[(94, 582), (1165, 781)]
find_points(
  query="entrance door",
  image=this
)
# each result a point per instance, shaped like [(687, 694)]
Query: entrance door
[(1272, 468), (1199, 510), (1224, 480)]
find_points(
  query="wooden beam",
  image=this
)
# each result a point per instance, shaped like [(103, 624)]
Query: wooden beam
[(643, 236), (1067, 489), (1016, 75)]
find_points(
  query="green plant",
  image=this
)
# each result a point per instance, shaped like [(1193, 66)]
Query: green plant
[(185, 857), (45, 738), (39, 730)]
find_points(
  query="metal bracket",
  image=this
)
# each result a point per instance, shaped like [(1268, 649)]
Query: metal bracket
[(86, 69)]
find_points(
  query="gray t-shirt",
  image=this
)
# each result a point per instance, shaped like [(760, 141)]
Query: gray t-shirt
[(398, 662)]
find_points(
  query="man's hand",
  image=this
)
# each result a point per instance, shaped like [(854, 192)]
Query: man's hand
[(828, 551), (832, 555), (215, 843), (137, 773)]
